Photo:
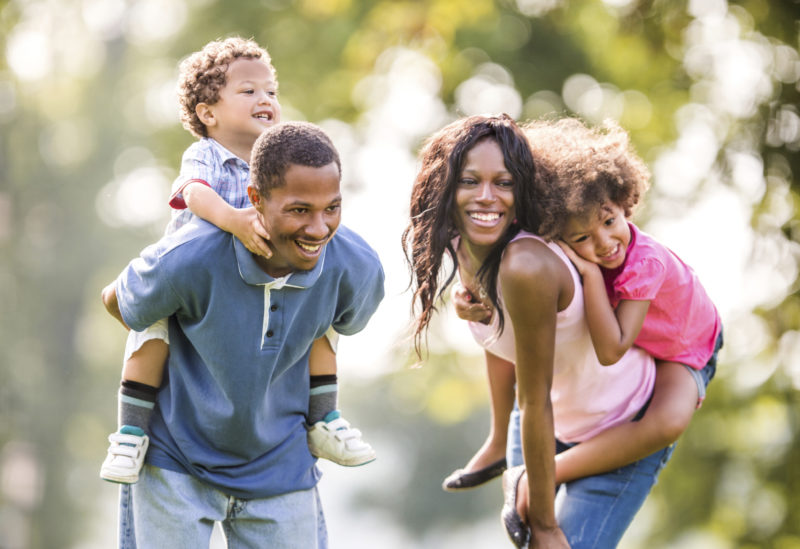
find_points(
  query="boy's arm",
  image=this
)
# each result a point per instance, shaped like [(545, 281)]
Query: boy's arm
[(613, 331), (242, 223)]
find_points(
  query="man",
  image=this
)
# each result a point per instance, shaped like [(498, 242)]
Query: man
[(228, 437)]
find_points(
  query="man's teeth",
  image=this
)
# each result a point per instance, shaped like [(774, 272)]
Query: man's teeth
[(485, 216), (308, 247)]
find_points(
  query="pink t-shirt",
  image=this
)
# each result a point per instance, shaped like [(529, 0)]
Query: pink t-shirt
[(682, 323), (587, 397)]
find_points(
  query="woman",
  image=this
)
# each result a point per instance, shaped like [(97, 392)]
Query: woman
[(476, 199)]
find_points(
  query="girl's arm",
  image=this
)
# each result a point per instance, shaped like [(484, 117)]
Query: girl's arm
[(243, 223), (532, 288), (109, 297), (613, 331)]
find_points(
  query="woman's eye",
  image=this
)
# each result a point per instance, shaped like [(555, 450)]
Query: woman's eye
[(506, 183)]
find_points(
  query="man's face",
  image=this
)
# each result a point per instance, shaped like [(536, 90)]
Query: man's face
[(300, 217)]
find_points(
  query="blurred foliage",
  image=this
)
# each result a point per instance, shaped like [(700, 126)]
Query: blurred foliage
[(82, 94)]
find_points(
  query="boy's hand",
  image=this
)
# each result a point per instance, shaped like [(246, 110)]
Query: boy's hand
[(249, 229), (468, 307), (581, 264)]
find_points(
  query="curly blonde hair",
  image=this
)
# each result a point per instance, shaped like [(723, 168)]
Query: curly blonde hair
[(203, 74), (588, 167)]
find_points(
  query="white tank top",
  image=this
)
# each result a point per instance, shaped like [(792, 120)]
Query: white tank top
[(587, 397)]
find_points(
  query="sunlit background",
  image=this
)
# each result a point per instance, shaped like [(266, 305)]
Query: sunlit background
[(91, 141)]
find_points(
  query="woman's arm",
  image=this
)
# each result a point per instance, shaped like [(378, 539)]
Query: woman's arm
[(613, 331), (533, 284)]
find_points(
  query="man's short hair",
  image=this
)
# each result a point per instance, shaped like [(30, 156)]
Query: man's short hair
[(287, 144)]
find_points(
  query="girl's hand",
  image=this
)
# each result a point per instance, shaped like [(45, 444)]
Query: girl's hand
[(249, 229), (468, 307), (581, 264)]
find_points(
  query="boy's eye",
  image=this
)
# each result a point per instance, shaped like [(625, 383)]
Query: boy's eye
[(248, 91)]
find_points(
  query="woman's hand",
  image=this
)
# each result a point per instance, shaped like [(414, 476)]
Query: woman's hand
[(548, 539), (581, 264), (468, 307)]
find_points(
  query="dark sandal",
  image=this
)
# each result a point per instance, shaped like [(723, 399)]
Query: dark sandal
[(517, 530), (461, 480)]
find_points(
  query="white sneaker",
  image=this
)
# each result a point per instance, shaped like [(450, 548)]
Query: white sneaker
[(125, 455), (334, 439)]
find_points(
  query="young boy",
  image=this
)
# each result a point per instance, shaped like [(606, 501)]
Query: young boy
[(228, 97)]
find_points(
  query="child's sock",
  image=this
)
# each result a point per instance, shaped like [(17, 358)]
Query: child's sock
[(136, 403), (323, 397)]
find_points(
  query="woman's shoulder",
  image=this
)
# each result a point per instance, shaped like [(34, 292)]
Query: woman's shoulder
[(531, 258)]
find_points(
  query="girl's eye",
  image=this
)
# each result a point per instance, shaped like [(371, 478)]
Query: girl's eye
[(580, 239), (610, 221)]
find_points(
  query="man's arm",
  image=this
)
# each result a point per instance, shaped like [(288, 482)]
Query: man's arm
[(109, 297)]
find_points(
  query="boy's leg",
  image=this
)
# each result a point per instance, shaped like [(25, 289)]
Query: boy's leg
[(674, 401), (146, 354), (330, 435), (490, 459)]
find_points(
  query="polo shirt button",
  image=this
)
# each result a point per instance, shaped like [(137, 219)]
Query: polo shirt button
[(270, 333), (273, 308)]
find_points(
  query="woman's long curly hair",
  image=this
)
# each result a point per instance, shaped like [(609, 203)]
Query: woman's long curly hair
[(432, 227)]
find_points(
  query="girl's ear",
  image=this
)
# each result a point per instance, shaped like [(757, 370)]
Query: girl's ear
[(206, 114)]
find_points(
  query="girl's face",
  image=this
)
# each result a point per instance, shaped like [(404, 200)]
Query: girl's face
[(484, 196), (601, 237)]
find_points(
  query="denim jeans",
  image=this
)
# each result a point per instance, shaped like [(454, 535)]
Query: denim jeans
[(595, 511), (176, 510)]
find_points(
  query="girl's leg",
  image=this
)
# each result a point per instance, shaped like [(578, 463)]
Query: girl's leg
[(502, 379), (674, 401)]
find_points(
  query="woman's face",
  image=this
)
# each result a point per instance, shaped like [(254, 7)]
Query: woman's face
[(484, 196)]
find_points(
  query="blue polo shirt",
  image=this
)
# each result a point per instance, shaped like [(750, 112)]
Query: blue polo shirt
[(231, 409)]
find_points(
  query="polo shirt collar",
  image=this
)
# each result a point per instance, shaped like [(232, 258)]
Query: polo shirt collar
[(251, 273)]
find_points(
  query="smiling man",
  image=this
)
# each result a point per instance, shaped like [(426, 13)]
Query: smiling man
[(228, 439)]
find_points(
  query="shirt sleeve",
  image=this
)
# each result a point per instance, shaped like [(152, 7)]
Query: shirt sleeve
[(144, 291), (196, 166), (640, 281), (361, 301)]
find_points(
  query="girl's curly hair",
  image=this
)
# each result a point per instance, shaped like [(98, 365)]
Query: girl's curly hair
[(202, 76), (432, 226), (589, 166)]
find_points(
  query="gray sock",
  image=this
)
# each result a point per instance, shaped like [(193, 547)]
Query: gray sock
[(135, 404), (323, 397)]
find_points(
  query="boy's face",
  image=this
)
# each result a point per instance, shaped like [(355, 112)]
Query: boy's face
[(300, 217), (601, 237), (247, 105)]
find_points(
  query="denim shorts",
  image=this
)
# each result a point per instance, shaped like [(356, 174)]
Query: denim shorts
[(175, 510), (704, 375)]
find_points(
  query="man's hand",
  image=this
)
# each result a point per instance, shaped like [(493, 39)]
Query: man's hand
[(248, 228), (468, 307)]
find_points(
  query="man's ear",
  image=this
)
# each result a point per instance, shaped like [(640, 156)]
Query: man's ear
[(206, 114), (253, 195)]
